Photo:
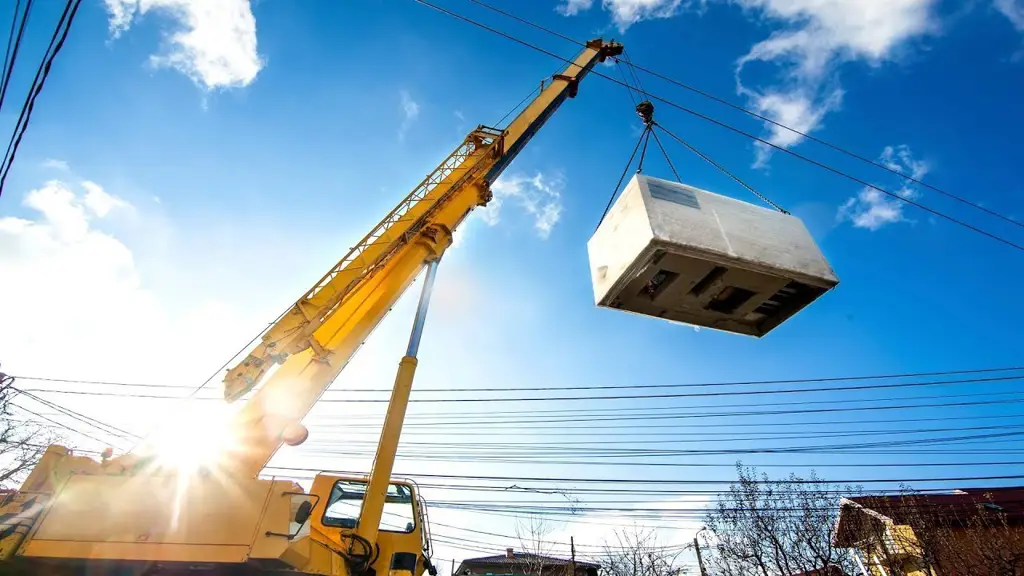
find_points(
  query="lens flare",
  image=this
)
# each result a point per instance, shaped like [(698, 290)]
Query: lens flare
[(198, 438)]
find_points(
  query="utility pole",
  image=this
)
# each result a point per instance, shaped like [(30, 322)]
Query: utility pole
[(696, 547), (453, 567), (572, 550)]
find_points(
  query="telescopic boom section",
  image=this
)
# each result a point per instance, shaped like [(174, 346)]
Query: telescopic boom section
[(313, 341)]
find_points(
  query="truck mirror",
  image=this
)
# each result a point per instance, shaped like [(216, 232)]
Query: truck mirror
[(303, 512)]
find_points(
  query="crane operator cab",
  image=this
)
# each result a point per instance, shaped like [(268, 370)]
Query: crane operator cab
[(402, 547)]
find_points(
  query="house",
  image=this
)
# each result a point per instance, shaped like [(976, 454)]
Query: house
[(513, 563), (977, 531)]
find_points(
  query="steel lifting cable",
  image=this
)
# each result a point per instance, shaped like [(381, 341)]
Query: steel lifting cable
[(625, 79), (615, 191), (707, 159), (646, 111), (643, 151), (665, 154)]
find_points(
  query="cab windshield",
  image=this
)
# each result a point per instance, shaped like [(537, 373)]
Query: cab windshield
[(346, 501)]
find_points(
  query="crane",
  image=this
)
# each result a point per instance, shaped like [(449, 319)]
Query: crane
[(136, 514)]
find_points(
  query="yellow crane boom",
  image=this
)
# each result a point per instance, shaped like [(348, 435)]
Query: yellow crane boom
[(134, 514)]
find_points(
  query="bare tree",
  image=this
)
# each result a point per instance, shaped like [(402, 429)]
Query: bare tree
[(533, 534), (22, 442), (637, 552), (775, 527)]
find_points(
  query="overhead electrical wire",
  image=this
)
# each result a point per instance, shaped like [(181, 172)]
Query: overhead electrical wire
[(107, 428), (559, 493), (736, 130), (60, 34), (686, 481), (899, 385), (688, 437), (861, 377), (13, 46), (435, 418), (761, 117), (59, 424), (538, 456), (734, 414), (562, 432), (689, 415)]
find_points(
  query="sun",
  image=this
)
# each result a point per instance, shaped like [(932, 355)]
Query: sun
[(195, 438)]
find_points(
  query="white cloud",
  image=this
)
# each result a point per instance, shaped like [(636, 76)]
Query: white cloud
[(86, 277), (88, 303), (901, 159), (410, 112), (55, 164), (817, 37), (797, 110), (872, 209), (99, 201), (625, 13), (539, 195), (819, 32), (1013, 10), (214, 45), (574, 7)]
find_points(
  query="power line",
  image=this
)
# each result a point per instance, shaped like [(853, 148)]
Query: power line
[(13, 45), (562, 432), (689, 415), (538, 456), (60, 34), (739, 131), (588, 387), (615, 397), (589, 480), (763, 118), (601, 414), (60, 424), (690, 437), (107, 428)]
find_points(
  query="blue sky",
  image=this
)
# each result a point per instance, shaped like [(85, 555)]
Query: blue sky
[(187, 173)]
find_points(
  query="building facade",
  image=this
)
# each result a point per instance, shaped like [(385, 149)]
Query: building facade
[(972, 532), (513, 563)]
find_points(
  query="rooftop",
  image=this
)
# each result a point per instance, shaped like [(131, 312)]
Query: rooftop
[(913, 508), (512, 558)]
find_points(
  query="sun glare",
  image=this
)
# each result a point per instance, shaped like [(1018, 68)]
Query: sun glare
[(198, 437)]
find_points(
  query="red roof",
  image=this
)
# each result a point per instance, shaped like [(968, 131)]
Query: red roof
[(966, 502)]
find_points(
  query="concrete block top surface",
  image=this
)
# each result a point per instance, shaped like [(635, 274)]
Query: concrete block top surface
[(730, 229)]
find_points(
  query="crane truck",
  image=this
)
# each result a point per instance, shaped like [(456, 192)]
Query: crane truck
[(136, 514)]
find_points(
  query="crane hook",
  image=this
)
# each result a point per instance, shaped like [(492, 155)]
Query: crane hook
[(645, 110)]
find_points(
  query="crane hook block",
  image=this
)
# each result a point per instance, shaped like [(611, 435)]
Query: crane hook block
[(645, 110)]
